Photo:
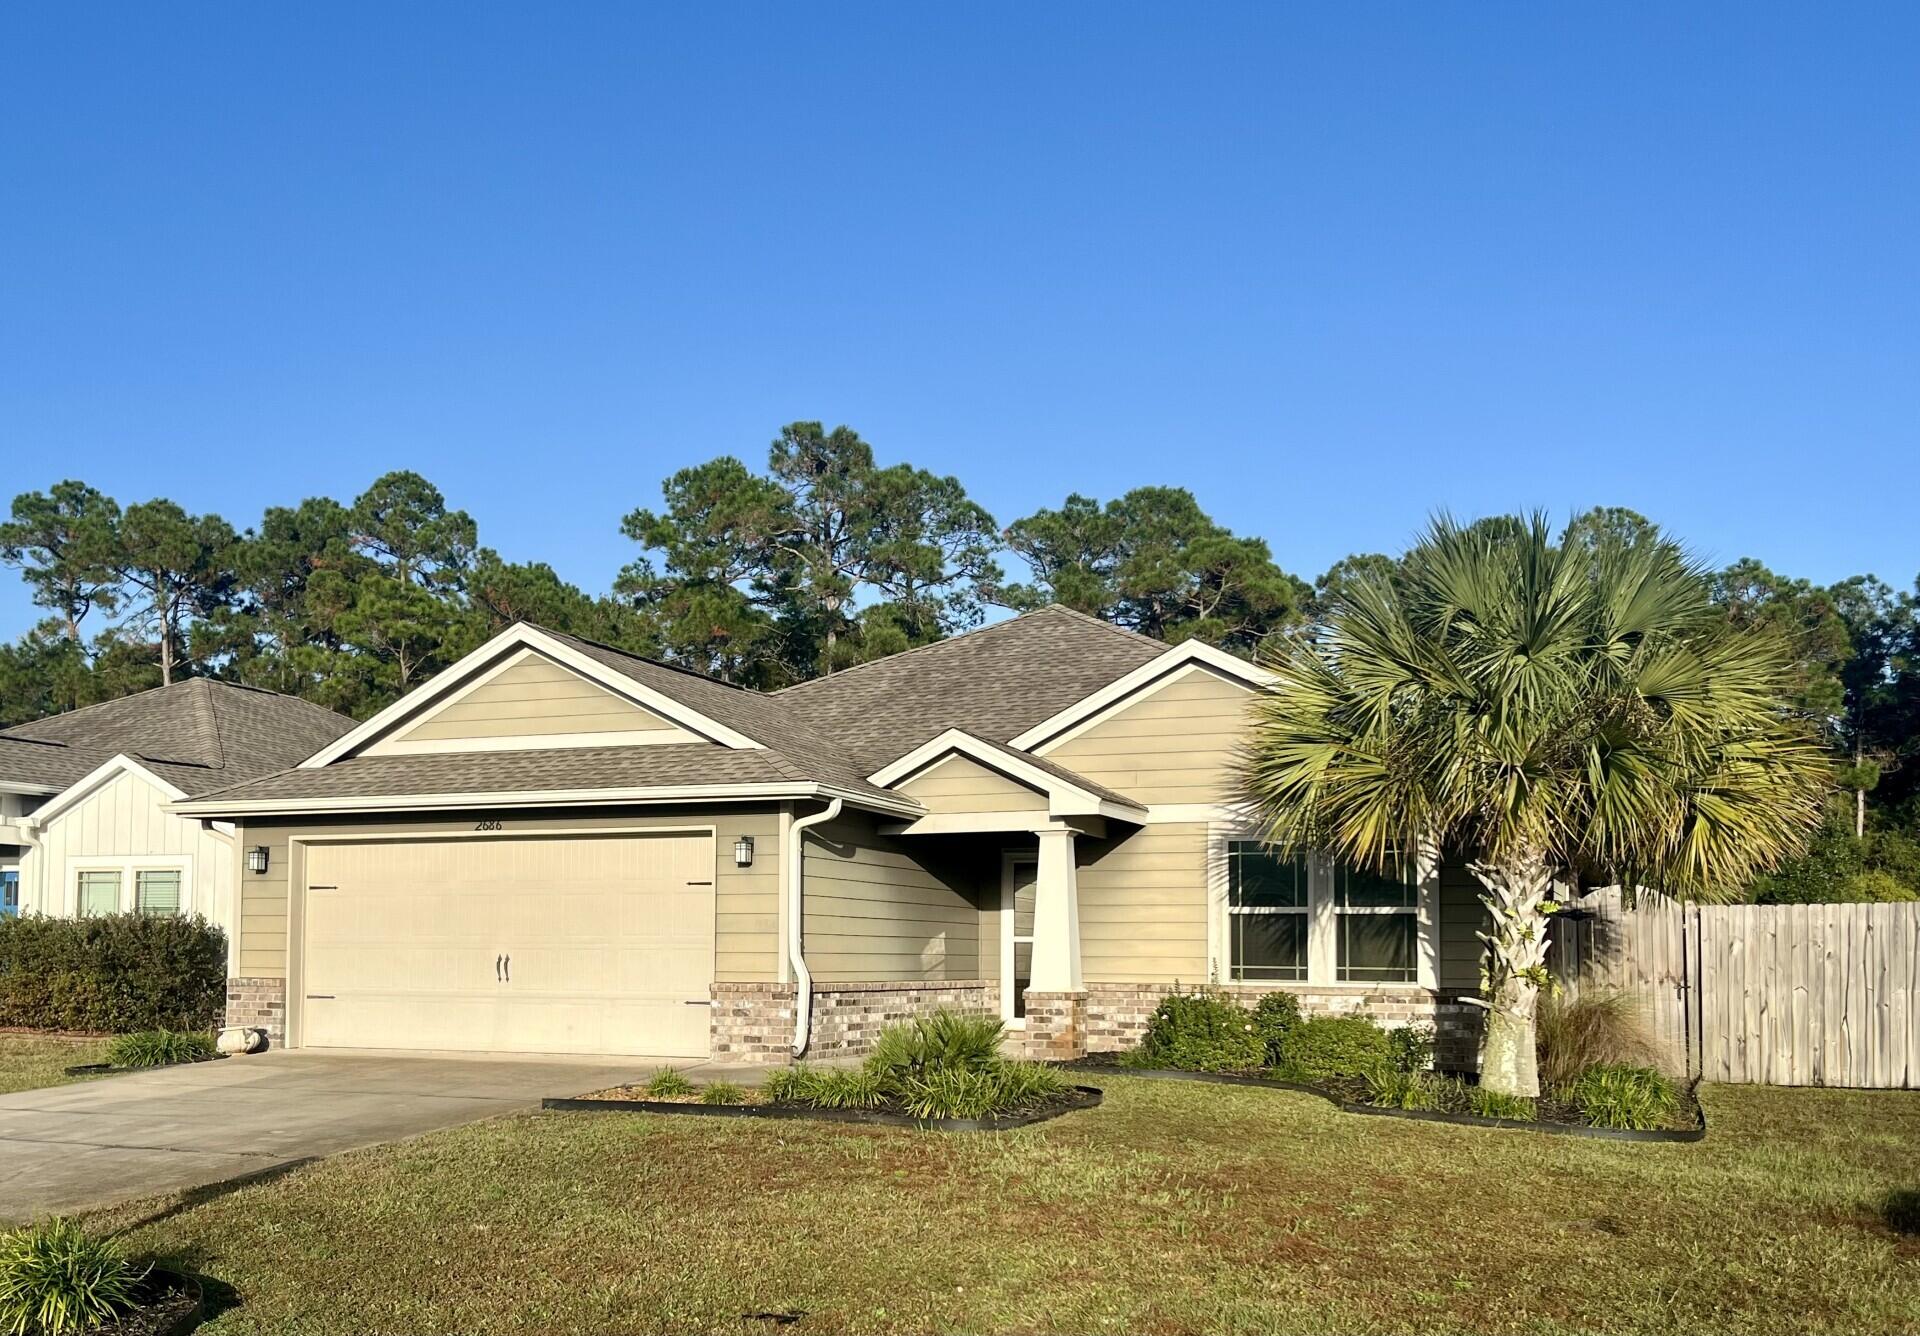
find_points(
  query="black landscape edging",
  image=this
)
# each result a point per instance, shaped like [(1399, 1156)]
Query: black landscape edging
[(1419, 1115), (108, 1069), (1088, 1097)]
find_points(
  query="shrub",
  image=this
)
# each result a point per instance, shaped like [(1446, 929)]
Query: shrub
[(1201, 1032), (668, 1084), (1327, 1047), (1412, 1047), (787, 1085), (1596, 1029), (861, 1089), (943, 1041), (1498, 1104), (119, 973), (159, 1048), (1273, 1017), (954, 1092), (1875, 887), (723, 1092), (1638, 1099), (56, 1280), (1390, 1087)]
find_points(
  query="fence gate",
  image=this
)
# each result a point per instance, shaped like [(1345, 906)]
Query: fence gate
[(1764, 994)]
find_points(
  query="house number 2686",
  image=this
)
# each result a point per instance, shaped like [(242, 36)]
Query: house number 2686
[(486, 825)]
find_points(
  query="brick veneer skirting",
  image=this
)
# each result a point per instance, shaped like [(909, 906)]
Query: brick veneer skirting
[(260, 1004), (1117, 1013), (1056, 1027), (753, 1022)]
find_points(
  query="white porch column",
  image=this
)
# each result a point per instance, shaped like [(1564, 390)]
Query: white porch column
[(1056, 916)]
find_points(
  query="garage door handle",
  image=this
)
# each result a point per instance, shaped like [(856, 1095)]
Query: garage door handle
[(498, 977), (509, 969)]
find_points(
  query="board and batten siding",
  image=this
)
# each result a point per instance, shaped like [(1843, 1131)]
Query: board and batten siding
[(124, 819), (534, 697), (875, 911), (962, 784), (1177, 743), (746, 900), (1143, 905)]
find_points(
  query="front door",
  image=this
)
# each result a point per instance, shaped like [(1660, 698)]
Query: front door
[(1016, 932)]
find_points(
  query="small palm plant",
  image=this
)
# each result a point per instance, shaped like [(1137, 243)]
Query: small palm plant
[(1574, 710), (57, 1279)]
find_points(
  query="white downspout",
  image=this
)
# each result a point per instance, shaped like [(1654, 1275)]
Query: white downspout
[(796, 897)]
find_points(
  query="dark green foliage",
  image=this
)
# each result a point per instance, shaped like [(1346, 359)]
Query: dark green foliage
[(117, 973), (1330, 1047), (1007, 1087), (1273, 1017), (723, 1092), (1498, 1104), (1635, 1098), (1202, 1032), (56, 1280), (160, 1048), (668, 1083), (1839, 868), (1412, 1047), (1388, 1087), (944, 1039), (834, 1088)]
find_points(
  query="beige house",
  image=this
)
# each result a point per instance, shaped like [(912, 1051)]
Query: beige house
[(84, 824), (554, 846)]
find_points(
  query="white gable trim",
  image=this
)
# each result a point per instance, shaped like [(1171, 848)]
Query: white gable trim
[(1063, 797), (92, 782), (435, 691), (393, 746), (1142, 681)]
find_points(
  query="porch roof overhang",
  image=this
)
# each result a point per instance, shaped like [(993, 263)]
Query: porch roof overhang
[(1072, 802)]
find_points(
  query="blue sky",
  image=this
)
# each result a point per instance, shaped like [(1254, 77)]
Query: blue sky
[(1332, 267)]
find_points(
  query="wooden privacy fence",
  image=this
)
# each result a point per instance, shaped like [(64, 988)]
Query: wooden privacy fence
[(1764, 994)]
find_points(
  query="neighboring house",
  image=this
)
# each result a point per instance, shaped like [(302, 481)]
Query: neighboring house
[(554, 846), (84, 827)]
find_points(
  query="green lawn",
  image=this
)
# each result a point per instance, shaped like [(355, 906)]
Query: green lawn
[(28, 1061), (1174, 1208)]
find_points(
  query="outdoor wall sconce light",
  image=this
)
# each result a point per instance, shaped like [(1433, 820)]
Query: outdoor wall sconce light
[(743, 851), (257, 859)]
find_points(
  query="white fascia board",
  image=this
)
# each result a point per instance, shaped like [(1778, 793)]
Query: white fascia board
[(1064, 798), (86, 784), (31, 790), (680, 793), (522, 636), (1146, 676)]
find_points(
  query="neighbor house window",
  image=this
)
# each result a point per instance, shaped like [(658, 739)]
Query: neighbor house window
[(1376, 917), (99, 892), (9, 892), (157, 893), (1267, 901)]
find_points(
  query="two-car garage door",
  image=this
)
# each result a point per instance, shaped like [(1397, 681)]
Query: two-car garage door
[(564, 944)]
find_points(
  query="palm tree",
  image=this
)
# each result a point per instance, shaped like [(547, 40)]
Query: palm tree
[(1573, 712)]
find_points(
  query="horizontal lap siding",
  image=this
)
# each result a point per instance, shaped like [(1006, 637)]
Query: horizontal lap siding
[(1462, 919), (1143, 906), (876, 911), (959, 784), (1179, 744), (746, 900), (534, 697)]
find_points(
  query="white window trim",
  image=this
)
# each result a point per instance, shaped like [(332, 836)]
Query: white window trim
[(1009, 859), (127, 865), (1323, 924)]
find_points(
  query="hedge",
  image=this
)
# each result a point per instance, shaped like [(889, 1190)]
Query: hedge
[(119, 973)]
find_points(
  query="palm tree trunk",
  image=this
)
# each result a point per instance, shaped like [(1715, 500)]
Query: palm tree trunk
[(1516, 969)]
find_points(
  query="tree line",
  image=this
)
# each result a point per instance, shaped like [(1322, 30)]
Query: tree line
[(821, 559)]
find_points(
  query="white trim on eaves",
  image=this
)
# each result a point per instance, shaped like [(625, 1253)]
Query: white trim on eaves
[(433, 692), (90, 782), (666, 793), (1064, 797), (1147, 677)]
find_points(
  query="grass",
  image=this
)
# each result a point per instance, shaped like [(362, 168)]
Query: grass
[(29, 1061), (1173, 1208)]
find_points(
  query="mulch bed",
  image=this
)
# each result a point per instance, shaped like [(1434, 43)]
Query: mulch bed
[(170, 1304), (1554, 1116), (634, 1099)]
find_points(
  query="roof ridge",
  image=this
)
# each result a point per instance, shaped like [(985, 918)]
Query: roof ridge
[(210, 724), (1014, 620)]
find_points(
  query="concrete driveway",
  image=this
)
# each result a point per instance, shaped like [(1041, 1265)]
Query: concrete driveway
[(72, 1147)]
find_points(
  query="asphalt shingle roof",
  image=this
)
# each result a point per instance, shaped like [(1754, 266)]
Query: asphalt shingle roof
[(994, 683), (199, 735)]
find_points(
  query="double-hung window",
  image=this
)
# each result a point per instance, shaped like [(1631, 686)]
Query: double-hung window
[(1378, 915), (1268, 906), (157, 893), (99, 892)]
